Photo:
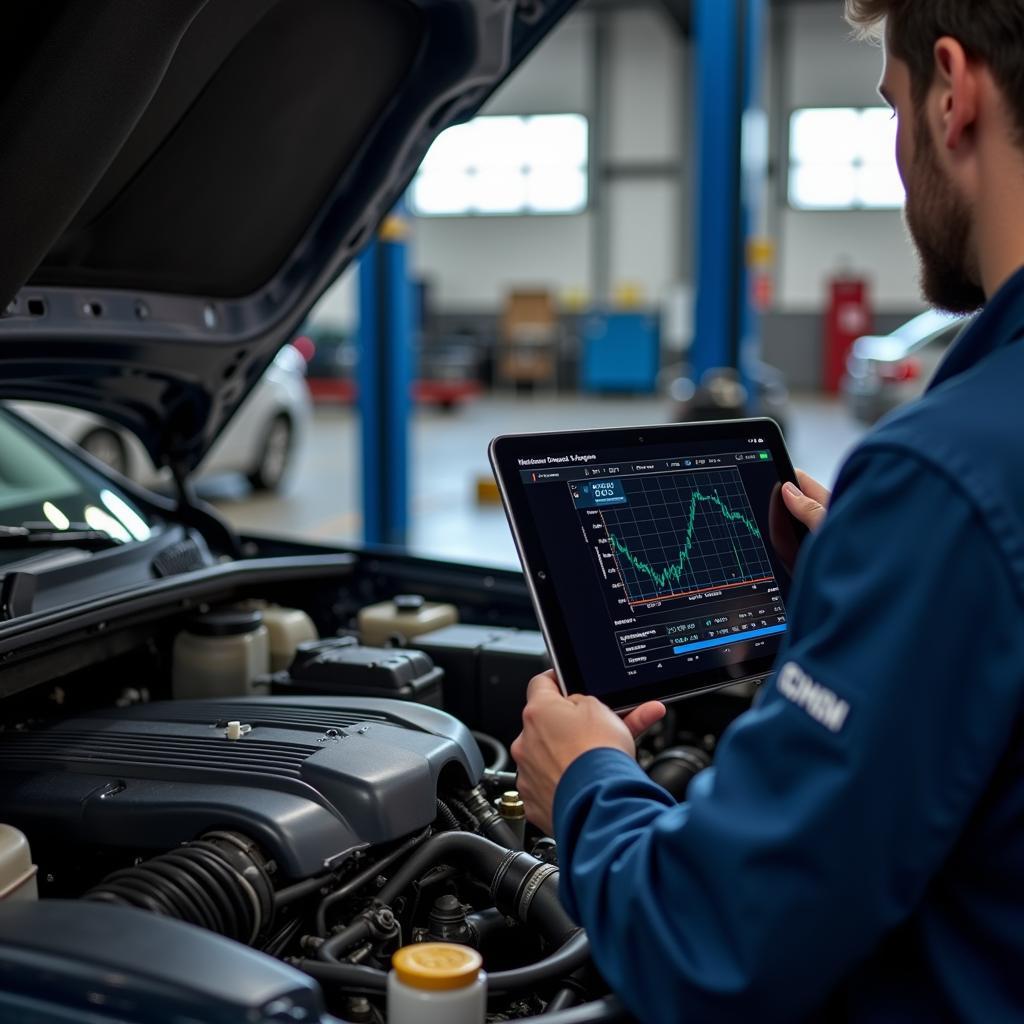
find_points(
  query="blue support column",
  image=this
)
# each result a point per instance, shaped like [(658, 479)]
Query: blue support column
[(754, 162), (728, 40), (386, 337)]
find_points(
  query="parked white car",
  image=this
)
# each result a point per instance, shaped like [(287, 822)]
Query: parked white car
[(263, 440), (884, 372)]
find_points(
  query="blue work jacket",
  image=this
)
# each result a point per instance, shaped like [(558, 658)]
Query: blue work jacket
[(857, 851)]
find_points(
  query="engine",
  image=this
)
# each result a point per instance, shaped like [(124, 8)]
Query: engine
[(310, 780), (322, 831)]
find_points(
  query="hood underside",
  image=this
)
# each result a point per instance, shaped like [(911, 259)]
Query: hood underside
[(181, 179)]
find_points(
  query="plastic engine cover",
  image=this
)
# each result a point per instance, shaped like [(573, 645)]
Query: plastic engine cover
[(84, 962), (310, 778)]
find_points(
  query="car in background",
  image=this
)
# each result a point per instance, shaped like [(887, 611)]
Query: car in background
[(884, 372), (263, 441)]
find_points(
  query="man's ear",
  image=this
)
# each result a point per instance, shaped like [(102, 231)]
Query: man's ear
[(956, 80)]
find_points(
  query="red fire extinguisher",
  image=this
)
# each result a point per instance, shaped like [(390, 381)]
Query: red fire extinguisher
[(848, 318)]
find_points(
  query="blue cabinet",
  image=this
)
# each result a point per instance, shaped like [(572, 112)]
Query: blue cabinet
[(621, 352)]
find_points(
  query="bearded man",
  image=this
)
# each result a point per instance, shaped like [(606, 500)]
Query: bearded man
[(868, 867)]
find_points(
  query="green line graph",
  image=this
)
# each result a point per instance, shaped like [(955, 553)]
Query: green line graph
[(694, 544)]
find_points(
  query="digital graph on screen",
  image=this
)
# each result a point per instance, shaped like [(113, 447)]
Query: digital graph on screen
[(678, 534), (682, 564)]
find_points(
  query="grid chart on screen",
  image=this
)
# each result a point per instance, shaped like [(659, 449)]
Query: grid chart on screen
[(684, 533)]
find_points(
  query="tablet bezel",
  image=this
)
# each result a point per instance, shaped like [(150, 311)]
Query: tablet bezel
[(503, 453)]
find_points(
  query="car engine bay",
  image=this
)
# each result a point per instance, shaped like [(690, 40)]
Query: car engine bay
[(319, 806), (238, 773)]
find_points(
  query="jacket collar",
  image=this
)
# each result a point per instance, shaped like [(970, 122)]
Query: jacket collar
[(1000, 323)]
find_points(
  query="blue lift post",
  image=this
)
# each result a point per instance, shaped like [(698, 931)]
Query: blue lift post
[(728, 39), (386, 338)]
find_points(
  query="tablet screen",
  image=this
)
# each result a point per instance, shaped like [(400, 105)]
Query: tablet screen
[(658, 560)]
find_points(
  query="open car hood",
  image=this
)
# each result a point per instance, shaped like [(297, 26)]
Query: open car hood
[(181, 179)]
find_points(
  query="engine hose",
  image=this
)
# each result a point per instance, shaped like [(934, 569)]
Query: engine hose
[(485, 923), (219, 882), (358, 931), (499, 758), (676, 768), (562, 1000), (377, 925), (446, 817), (503, 780), (467, 821), (356, 980), (300, 890), (492, 824), (351, 978), (605, 1011), (571, 957), (367, 875), (520, 885), (280, 941)]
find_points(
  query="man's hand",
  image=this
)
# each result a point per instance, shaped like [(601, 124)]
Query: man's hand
[(807, 503), (557, 729)]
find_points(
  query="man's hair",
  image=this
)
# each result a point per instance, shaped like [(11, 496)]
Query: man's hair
[(991, 31)]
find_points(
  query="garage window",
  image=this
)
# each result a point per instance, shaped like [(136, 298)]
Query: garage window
[(843, 158), (505, 166)]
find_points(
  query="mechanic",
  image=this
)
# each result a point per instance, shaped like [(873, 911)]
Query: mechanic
[(857, 851)]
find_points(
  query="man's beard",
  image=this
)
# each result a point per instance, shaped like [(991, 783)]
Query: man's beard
[(940, 225)]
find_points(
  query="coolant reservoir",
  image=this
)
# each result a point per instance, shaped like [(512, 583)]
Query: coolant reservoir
[(220, 653), (408, 615), (437, 983), (288, 627), (17, 872)]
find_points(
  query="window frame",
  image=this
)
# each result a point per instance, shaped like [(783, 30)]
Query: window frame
[(791, 165), (475, 215)]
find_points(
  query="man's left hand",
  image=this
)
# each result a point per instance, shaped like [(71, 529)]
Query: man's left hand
[(558, 729)]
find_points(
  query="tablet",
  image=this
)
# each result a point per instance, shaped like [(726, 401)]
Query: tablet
[(656, 556)]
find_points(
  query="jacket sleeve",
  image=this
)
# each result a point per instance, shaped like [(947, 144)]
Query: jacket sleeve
[(838, 796)]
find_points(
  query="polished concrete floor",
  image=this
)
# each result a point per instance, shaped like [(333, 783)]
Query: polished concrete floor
[(450, 452)]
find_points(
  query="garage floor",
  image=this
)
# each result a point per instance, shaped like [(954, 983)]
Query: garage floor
[(450, 450)]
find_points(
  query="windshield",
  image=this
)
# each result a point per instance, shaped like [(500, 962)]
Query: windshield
[(43, 487)]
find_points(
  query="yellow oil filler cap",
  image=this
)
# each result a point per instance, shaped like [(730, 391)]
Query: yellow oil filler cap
[(437, 966)]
